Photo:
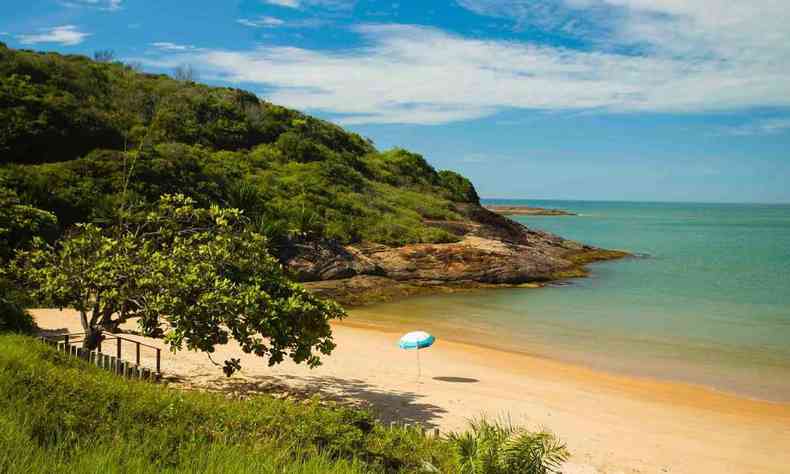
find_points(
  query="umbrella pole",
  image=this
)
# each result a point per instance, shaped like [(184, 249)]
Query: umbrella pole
[(419, 371)]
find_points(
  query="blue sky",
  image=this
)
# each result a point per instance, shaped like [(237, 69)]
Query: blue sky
[(664, 100)]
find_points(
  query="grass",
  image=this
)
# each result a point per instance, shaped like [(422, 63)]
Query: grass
[(59, 414)]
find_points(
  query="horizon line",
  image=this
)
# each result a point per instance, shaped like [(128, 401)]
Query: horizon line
[(775, 203)]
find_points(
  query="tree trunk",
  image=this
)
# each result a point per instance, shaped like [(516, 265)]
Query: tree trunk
[(93, 336), (110, 325)]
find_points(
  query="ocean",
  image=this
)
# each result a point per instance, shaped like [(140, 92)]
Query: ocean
[(707, 302)]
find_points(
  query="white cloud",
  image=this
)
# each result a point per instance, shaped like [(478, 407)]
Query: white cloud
[(337, 5), (272, 22), (284, 3), (172, 47), (110, 5), (262, 22), (67, 35), (761, 127), (656, 55)]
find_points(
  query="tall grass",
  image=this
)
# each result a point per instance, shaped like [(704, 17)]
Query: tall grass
[(59, 414)]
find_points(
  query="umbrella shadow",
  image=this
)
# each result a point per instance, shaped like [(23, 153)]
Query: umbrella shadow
[(456, 379)]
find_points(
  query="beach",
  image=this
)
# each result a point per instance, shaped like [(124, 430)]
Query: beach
[(611, 423)]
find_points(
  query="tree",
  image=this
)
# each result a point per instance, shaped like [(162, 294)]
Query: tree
[(104, 56), (21, 223), (197, 275), (184, 73)]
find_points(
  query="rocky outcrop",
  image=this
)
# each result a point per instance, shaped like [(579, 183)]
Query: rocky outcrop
[(491, 250)]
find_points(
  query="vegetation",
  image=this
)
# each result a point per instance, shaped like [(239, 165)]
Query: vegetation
[(57, 414), (126, 195), (80, 137), (501, 448), (202, 271), (13, 317), (90, 146)]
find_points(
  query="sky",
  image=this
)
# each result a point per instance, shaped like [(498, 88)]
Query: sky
[(634, 100)]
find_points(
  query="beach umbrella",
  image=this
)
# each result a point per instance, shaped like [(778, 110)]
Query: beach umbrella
[(416, 340)]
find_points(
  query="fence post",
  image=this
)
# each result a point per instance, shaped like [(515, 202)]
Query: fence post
[(118, 351), (66, 340), (137, 353), (436, 432), (98, 348), (159, 361)]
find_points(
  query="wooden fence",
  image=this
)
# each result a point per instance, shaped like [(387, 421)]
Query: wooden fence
[(72, 344)]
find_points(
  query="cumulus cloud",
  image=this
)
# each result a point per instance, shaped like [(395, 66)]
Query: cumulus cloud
[(649, 55), (67, 35)]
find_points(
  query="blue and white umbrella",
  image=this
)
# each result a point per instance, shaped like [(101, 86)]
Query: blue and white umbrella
[(416, 340)]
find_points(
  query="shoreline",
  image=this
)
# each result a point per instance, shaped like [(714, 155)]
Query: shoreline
[(395, 329), (624, 379), (611, 423)]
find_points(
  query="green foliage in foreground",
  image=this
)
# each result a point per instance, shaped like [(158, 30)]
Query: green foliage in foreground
[(13, 317), (199, 276), (57, 414), (501, 448), (81, 139)]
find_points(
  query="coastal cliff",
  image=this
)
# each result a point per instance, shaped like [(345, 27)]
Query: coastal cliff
[(492, 251)]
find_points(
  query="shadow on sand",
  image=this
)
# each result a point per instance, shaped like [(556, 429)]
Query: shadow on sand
[(401, 406), (456, 379), (54, 332)]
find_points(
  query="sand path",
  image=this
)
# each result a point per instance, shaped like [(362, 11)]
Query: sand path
[(612, 423)]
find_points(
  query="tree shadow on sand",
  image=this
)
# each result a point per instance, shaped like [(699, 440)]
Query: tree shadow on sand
[(53, 332), (388, 405)]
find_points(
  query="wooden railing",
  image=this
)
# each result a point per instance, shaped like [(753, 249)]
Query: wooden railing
[(71, 344)]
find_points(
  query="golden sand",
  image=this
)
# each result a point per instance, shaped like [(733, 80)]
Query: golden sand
[(612, 423)]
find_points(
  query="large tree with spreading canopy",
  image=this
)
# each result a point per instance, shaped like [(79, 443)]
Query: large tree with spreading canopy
[(198, 276)]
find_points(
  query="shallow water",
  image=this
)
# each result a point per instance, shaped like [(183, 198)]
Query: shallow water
[(710, 304)]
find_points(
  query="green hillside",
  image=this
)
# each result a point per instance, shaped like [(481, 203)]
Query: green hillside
[(80, 137)]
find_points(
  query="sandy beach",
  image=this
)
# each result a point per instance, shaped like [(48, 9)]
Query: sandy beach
[(611, 423)]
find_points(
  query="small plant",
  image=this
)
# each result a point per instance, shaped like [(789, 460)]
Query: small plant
[(498, 447)]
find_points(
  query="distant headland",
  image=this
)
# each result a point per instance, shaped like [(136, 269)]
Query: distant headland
[(528, 211)]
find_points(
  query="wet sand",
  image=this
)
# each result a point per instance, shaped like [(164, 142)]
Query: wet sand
[(611, 423)]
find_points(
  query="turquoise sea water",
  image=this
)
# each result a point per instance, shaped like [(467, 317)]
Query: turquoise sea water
[(708, 304)]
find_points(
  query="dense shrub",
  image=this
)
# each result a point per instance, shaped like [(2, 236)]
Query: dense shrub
[(13, 317)]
